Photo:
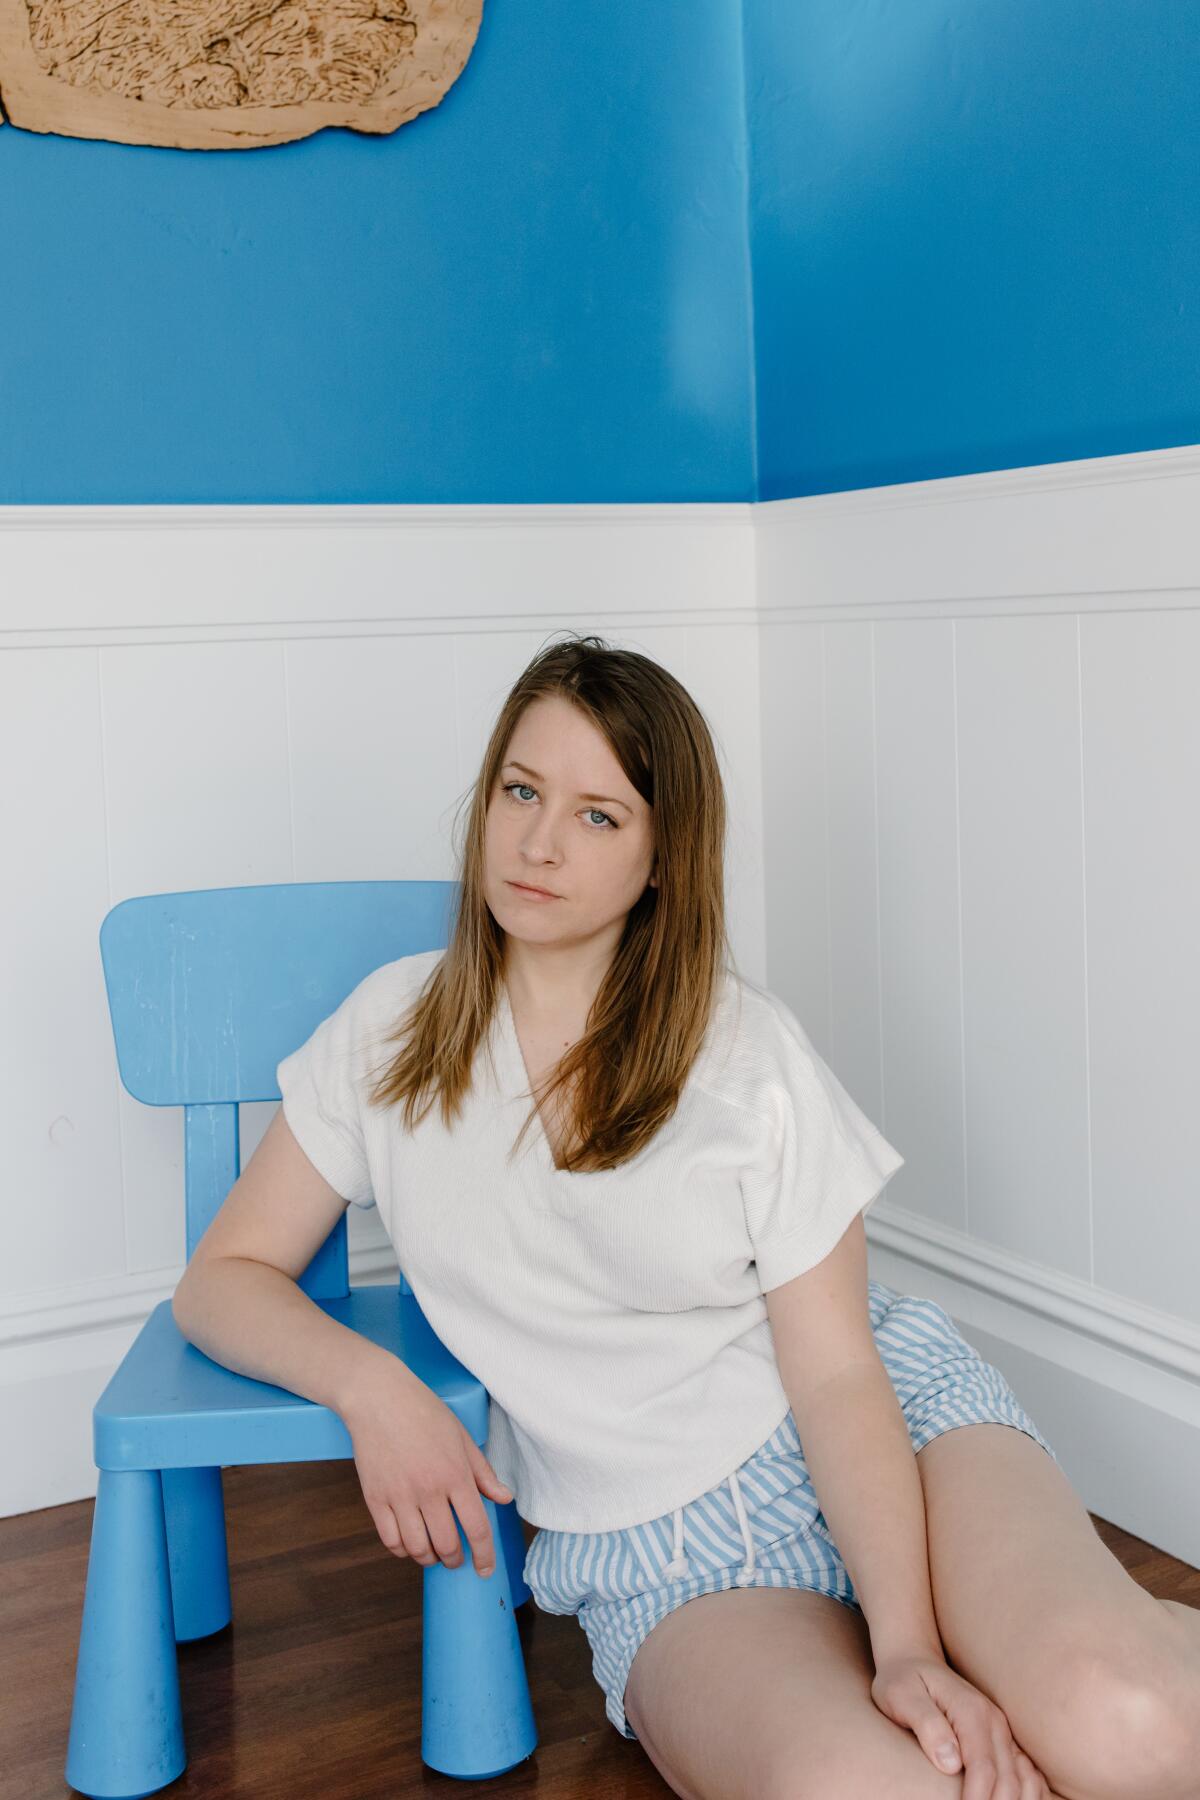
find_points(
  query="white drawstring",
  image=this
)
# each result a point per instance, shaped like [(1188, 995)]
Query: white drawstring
[(746, 1574), (677, 1568)]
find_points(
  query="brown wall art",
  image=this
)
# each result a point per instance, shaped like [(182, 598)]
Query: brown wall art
[(227, 74)]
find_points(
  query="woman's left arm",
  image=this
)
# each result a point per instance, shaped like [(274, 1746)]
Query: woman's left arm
[(856, 1444), (855, 1440)]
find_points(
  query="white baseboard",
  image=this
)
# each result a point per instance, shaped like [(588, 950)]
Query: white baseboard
[(1113, 1386)]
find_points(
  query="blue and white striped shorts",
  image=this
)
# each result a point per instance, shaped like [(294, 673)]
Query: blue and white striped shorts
[(762, 1526)]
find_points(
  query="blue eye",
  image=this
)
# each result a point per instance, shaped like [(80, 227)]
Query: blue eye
[(509, 786)]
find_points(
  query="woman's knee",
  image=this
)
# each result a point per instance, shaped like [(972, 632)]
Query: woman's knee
[(1126, 1733)]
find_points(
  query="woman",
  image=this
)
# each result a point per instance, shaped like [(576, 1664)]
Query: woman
[(666, 1298)]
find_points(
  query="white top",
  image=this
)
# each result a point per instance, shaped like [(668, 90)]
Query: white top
[(616, 1318)]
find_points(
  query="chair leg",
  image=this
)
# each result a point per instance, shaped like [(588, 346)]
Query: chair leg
[(512, 1546), (126, 1736), (194, 1502), (476, 1713)]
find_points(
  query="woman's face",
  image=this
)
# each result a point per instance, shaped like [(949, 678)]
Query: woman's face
[(594, 855)]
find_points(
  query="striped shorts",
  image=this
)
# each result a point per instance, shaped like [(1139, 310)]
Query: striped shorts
[(762, 1526)]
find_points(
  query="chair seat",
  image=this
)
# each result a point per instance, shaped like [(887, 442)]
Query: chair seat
[(169, 1406)]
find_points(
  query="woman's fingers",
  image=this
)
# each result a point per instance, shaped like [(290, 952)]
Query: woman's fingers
[(432, 1534), (478, 1532), (443, 1531), (412, 1530), (1034, 1785), (1031, 1784), (443, 1528), (990, 1760), (942, 1708), (388, 1527), (994, 1765)]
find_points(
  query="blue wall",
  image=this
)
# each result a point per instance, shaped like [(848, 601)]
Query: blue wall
[(538, 290), (975, 234), (976, 245)]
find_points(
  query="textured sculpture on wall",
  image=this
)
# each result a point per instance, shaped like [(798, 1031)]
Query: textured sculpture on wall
[(227, 74)]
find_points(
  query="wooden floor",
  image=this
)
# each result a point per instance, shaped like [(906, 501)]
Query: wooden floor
[(314, 1690)]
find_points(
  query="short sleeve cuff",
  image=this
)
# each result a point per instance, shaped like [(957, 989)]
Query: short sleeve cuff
[(331, 1156), (782, 1258)]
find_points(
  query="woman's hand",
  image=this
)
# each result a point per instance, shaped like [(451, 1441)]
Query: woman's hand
[(418, 1467), (942, 1710)]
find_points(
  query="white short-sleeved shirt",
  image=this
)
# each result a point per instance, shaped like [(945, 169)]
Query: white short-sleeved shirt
[(616, 1318)]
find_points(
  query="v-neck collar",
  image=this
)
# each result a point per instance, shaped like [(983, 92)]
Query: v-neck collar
[(567, 1187), (518, 1086)]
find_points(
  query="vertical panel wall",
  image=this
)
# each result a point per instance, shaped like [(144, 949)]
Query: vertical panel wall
[(981, 756)]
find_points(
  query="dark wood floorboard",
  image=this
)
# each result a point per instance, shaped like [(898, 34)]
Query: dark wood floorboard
[(313, 1692)]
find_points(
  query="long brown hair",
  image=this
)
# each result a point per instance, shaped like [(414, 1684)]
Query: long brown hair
[(650, 1014)]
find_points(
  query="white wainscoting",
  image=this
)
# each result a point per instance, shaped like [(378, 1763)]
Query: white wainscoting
[(981, 790), (958, 725)]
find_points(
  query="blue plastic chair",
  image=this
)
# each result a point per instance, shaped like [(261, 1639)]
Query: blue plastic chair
[(208, 991)]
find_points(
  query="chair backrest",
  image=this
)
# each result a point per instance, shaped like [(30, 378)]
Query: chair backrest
[(209, 990)]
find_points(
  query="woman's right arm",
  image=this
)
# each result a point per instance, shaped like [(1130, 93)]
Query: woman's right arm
[(238, 1301)]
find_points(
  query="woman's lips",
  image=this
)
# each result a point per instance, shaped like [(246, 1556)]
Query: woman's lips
[(531, 893)]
